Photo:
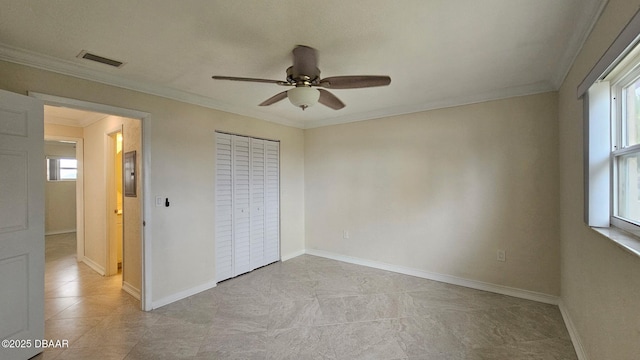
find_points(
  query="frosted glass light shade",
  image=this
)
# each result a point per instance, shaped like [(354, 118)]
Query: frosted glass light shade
[(303, 96)]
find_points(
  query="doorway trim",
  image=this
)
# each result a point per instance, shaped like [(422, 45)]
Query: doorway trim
[(111, 250), (145, 118)]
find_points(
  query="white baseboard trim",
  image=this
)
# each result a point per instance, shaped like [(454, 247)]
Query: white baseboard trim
[(573, 332), (131, 290), (59, 232), (292, 255), (92, 264), (182, 294), (474, 284)]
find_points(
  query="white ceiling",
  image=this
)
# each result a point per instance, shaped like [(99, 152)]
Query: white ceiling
[(438, 53)]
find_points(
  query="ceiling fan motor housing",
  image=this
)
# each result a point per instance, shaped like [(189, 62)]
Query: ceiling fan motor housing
[(302, 79)]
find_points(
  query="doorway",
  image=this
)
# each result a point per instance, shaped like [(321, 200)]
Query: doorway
[(115, 209), (106, 215)]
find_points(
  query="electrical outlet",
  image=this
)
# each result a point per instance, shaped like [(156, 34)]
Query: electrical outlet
[(345, 234), (502, 255)]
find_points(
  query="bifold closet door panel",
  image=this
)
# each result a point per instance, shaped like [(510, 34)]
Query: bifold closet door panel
[(247, 204), (272, 202), (224, 208), (257, 203), (241, 205)]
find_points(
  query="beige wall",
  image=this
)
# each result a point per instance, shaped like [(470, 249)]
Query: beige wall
[(600, 286), (95, 188), (441, 191), (60, 196), (96, 231), (183, 171), (182, 165)]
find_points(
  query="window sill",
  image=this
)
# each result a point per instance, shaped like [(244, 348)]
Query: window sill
[(624, 239)]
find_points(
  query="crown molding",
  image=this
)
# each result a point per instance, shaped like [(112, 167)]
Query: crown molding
[(75, 69), (578, 38), (532, 89), (71, 68)]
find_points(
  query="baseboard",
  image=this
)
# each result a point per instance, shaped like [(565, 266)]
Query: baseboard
[(292, 255), (182, 294), (92, 264), (474, 284), (131, 290), (58, 232), (573, 332), (189, 292)]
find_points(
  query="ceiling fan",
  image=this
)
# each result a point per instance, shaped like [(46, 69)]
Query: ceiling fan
[(304, 76)]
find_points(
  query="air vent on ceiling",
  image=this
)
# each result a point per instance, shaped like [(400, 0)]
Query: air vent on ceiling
[(97, 58)]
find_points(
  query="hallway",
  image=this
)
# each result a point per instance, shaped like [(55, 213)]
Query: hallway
[(92, 312)]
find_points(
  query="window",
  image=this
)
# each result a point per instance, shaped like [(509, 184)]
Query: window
[(626, 148), (611, 109), (625, 140), (61, 169), (613, 137)]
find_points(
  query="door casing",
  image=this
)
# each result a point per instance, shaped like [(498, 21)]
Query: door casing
[(145, 177)]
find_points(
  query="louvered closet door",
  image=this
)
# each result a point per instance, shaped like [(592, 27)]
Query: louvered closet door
[(247, 204), (272, 202), (257, 203), (241, 205), (224, 208)]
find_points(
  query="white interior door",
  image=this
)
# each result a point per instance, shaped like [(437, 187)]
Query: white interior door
[(21, 224)]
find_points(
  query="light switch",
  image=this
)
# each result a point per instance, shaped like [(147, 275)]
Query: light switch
[(159, 201)]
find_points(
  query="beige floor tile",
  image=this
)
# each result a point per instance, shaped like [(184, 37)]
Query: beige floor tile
[(305, 308)]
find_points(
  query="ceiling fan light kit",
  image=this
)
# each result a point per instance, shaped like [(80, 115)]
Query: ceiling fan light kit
[(303, 96), (305, 75)]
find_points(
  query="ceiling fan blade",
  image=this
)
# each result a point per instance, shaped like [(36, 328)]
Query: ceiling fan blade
[(354, 82), (274, 99), (330, 100), (305, 62), (233, 78)]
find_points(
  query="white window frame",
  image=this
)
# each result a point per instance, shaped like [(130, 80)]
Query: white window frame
[(616, 66), (625, 74), (56, 176)]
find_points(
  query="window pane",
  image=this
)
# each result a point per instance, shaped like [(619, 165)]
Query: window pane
[(628, 187), (68, 174), (632, 114), (68, 163)]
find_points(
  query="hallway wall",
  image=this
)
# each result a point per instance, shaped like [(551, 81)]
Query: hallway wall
[(96, 202)]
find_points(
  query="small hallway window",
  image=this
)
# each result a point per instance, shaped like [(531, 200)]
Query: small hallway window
[(61, 169)]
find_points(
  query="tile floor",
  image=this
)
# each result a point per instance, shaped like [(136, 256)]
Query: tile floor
[(305, 308)]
